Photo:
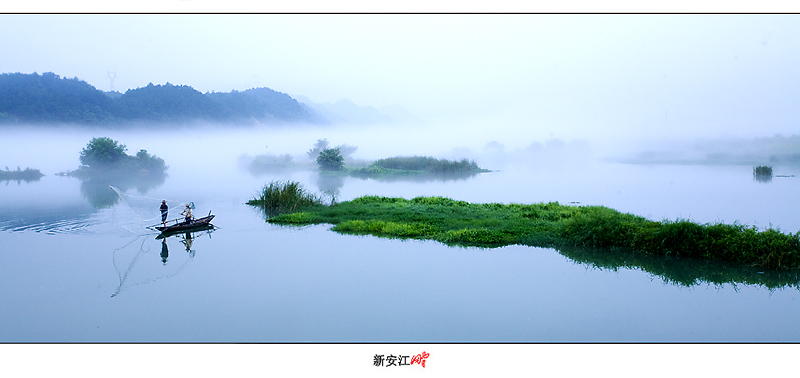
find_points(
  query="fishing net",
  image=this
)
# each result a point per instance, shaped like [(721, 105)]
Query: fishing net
[(135, 262), (139, 213), (144, 260)]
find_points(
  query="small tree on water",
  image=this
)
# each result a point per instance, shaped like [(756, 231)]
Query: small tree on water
[(102, 152), (330, 159), (321, 145)]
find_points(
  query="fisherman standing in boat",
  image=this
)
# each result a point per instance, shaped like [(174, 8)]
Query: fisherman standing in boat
[(188, 213), (164, 210)]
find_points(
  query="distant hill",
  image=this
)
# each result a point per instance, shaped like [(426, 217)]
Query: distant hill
[(48, 98), (345, 111), (267, 104)]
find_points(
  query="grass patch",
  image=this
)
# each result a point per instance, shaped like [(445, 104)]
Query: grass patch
[(286, 197), (553, 225)]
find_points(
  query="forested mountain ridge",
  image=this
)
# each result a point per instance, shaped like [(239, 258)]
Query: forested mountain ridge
[(48, 99)]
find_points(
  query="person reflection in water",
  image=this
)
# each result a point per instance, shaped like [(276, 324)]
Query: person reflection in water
[(164, 211), (187, 241), (164, 251)]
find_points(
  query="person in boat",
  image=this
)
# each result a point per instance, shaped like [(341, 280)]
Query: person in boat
[(164, 211), (188, 213)]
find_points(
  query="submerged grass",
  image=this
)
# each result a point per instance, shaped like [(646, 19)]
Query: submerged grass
[(551, 225)]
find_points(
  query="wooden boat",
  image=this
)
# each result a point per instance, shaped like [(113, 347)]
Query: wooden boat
[(203, 222)]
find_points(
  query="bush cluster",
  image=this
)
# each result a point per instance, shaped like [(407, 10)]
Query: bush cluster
[(104, 154)]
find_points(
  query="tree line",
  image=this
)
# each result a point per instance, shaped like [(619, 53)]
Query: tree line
[(49, 98)]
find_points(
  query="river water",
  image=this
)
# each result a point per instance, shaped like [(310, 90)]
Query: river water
[(78, 263)]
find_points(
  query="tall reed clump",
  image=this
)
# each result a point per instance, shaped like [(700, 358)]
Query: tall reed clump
[(284, 197)]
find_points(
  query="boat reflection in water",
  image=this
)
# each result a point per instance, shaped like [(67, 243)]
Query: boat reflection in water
[(186, 238), (138, 271)]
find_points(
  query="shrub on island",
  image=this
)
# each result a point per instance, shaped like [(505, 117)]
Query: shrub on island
[(104, 154)]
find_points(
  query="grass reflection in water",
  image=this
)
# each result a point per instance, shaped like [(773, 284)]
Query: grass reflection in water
[(680, 251)]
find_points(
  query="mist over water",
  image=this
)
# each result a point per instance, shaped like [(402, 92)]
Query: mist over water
[(527, 167), (276, 283)]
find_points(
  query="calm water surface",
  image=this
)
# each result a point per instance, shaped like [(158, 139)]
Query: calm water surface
[(77, 263)]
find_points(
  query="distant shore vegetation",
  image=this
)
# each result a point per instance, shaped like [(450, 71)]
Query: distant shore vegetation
[(775, 150), (549, 225), (27, 174), (337, 161)]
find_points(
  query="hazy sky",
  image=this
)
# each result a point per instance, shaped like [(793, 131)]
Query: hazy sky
[(626, 75)]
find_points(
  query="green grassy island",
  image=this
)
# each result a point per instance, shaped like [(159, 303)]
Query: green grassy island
[(549, 225), (412, 168), (418, 165)]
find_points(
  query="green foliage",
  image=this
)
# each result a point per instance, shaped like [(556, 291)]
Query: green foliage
[(102, 152), (370, 171), (440, 201), (345, 150), (320, 145), (281, 197), (297, 218), (484, 237), (330, 159), (106, 154), (150, 163), (386, 228)]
